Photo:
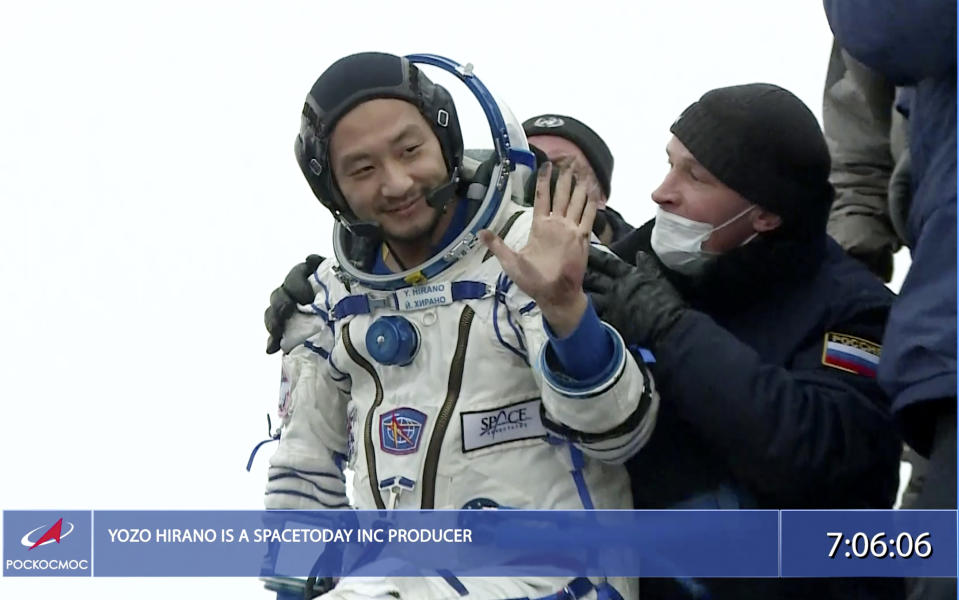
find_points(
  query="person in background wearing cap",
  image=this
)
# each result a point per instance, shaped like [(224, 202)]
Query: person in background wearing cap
[(570, 143), (766, 335)]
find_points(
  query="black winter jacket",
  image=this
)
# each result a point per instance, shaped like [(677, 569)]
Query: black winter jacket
[(754, 415)]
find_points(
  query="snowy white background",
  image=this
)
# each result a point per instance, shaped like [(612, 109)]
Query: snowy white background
[(150, 202)]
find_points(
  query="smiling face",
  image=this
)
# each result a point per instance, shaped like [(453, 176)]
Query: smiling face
[(690, 191), (385, 159)]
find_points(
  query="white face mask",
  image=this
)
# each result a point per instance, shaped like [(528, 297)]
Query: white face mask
[(678, 241)]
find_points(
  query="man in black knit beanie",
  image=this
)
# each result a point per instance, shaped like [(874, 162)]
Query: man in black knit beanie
[(766, 335)]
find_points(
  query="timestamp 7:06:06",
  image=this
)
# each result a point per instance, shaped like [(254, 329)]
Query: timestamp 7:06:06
[(880, 546)]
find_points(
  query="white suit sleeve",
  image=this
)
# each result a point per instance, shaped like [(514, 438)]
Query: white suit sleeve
[(609, 417), (306, 469)]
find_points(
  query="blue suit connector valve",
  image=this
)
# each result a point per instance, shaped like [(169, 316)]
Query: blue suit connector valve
[(392, 340)]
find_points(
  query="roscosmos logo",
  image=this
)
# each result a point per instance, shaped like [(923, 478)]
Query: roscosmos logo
[(54, 534), (47, 543)]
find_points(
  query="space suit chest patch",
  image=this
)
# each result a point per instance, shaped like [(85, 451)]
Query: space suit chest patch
[(401, 430), (424, 296), (519, 421)]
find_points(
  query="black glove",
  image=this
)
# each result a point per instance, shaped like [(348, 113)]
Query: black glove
[(637, 301), (602, 228), (529, 194), (296, 289)]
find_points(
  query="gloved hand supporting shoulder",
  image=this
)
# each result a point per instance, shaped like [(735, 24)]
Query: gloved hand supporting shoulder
[(295, 289)]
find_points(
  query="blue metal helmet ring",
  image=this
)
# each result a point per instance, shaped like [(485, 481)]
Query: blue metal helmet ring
[(503, 148), (488, 104)]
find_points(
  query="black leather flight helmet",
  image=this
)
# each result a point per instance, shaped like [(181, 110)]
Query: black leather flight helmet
[(351, 81)]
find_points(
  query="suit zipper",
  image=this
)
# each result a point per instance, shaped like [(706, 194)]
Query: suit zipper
[(368, 426), (446, 412)]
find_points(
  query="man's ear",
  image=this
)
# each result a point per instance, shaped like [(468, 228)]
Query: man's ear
[(764, 220)]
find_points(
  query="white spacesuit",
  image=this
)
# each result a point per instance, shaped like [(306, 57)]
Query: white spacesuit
[(443, 394)]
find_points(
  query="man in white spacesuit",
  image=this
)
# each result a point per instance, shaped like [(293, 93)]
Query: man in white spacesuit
[(443, 378)]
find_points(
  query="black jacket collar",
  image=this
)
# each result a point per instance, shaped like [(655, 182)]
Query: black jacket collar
[(767, 266)]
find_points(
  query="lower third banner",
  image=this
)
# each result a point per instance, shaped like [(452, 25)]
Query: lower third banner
[(665, 543)]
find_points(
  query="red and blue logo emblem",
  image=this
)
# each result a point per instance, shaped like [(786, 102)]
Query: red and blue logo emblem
[(53, 534), (401, 430)]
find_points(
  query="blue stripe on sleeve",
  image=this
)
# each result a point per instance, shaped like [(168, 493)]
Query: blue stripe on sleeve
[(587, 351), (308, 497)]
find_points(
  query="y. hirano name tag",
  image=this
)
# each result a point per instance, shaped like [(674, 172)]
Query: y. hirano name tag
[(518, 421), (424, 296)]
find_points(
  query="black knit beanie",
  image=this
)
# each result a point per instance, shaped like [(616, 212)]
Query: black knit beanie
[(587, 140), (763, 142)]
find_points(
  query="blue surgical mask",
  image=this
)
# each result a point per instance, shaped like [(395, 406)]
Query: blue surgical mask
[(678, 241)]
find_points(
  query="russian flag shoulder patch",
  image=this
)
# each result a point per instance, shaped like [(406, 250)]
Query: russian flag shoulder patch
[(851, 354)]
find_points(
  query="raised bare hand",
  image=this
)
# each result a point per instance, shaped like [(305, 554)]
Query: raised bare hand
[(550, 267)]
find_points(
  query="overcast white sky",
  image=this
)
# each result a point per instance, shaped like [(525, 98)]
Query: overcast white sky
[(151, 201)]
